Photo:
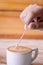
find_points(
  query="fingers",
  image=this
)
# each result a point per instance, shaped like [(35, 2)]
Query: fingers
[(28, 14), (32, 26), (31, 13), (27, 17)]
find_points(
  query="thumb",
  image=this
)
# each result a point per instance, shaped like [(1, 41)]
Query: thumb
[(29, 18)]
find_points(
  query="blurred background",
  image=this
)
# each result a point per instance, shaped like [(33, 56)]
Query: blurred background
[(11, 28), (10, 24)]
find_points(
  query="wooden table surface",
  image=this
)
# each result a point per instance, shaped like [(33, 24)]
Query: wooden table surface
[(5, 43)]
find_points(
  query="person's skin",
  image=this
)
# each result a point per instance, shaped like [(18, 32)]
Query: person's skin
[(32, 14)]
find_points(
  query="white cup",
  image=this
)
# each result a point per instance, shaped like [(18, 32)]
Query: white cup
[(17, 58)]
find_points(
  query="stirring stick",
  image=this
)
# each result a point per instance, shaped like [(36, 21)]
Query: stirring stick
[(21, 38)]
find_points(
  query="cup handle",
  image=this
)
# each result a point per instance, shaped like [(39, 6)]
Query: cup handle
[(35, 55)]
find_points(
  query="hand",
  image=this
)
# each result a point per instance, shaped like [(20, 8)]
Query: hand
[(32, 15)]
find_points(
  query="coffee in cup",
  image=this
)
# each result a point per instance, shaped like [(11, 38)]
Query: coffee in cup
[(20, 55), (19, 49)]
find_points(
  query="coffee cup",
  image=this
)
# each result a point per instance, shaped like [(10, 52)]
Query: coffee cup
[(20, 55)]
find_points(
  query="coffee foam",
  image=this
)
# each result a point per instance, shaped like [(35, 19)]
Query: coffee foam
[(19, 49)]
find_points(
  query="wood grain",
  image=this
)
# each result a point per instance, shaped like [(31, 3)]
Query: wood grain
[(17, 4), (12, 27), (10, 23)]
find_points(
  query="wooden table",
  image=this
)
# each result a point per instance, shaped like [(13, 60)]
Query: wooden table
[(4, 43)]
